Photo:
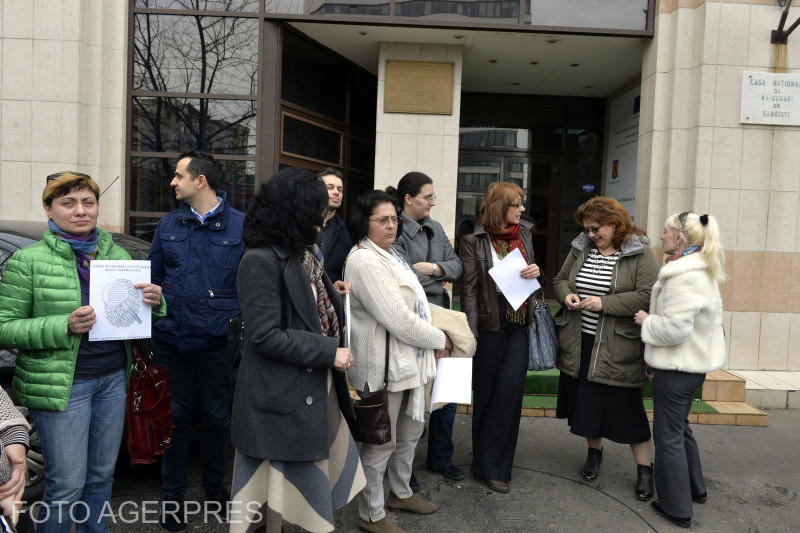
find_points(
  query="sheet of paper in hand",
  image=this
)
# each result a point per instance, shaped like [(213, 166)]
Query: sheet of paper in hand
[(117, 304), (506, 275)]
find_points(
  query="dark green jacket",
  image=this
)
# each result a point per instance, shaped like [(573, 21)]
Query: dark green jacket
[(40, 289), (617, 351)]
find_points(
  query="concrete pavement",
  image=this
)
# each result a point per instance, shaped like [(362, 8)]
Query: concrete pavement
[(753, 477)]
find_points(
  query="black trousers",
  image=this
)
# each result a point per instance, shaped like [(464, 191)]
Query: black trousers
[(498, 382), (678, 473)]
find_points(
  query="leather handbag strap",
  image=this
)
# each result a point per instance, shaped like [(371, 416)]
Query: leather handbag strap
[(386, 366)]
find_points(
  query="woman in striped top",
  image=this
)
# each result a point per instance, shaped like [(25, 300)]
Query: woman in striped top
[(606, 278)]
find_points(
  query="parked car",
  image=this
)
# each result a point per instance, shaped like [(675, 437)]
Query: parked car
[(13, 236)]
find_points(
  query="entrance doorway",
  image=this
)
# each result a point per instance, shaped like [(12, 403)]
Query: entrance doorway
[(551, 147)]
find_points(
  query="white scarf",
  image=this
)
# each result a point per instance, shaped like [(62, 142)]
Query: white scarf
[(426, 361)]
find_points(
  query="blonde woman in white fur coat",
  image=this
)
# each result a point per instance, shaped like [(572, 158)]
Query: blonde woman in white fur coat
[(683, 341)]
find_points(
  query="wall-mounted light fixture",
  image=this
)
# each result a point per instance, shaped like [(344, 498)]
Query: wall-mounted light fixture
[(781, 36)]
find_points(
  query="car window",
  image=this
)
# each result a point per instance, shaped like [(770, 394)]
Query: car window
[(4, 255)]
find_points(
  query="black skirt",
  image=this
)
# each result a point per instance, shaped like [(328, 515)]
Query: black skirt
[(594, 410)]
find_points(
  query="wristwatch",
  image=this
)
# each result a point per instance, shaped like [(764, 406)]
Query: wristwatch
[(435, 270)]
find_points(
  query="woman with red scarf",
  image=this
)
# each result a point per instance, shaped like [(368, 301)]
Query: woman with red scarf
[(501, 361)]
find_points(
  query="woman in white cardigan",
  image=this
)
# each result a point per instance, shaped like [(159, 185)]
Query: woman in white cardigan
[(388, 303), (683, 341)]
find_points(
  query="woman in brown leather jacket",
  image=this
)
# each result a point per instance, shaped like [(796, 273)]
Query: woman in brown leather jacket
[(501, 361)]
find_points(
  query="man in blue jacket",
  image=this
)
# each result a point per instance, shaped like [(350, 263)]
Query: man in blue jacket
[(195, 256), (333, 239)]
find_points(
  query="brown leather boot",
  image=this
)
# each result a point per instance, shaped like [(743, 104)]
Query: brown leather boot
[(413, 504), (384, 525)]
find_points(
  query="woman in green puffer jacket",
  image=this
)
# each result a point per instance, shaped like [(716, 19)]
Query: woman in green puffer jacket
[(74, 389)]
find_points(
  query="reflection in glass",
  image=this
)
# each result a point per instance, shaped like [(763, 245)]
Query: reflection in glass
[(362, 155), (150, 178), (201, 5), (143, 227), (501, 11), (195, 54), (287, 7), (360, 7), (150, 190), (610, 14), (314, 78), (515, 139), (309, 140), (180, 124)]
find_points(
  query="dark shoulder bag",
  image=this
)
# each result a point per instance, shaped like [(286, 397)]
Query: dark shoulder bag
[(371, 424)]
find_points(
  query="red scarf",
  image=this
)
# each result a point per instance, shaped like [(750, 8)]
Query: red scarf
[(505, 243)]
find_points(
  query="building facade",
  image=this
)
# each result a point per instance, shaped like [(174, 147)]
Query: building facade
[(636, 99)]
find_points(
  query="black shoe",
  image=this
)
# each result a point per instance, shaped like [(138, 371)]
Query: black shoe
[(592, 465), (700, 498), (173, 516), (682, 522), (644, 482), (217, 502), (452, 472), (413, 484)]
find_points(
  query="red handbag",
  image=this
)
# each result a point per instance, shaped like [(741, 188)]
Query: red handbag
[(148, 417)]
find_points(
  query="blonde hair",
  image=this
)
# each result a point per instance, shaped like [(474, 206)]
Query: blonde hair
[(66, 181), (703, 231)]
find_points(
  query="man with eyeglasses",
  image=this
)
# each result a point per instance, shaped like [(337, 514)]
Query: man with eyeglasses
[(333, 239)]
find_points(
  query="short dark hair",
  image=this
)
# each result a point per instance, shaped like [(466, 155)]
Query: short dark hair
[(330, 171), (288, 209), (361, 210), (205, 164), (62, 183), (409, 184)]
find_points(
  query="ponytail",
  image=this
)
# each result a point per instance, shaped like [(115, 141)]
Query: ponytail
[(703, 231)]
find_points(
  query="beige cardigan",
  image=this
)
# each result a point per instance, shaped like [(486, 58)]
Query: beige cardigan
[(381, 299)]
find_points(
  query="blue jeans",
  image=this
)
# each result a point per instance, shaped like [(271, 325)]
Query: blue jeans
[(80, 447), (206, 376), (440, 437)]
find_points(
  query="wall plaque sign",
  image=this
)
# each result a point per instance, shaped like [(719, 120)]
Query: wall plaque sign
[(418, 87), (769, 98)]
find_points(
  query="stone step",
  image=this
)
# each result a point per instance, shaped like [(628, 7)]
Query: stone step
[(722, 386)]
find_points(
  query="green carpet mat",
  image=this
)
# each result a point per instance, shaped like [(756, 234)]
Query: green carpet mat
[(546, 382), (549, 402)]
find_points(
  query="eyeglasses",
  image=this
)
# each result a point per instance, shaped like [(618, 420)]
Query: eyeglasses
[(384, 221), (593, 229), (517, 205), (430, 198), (53, 177)]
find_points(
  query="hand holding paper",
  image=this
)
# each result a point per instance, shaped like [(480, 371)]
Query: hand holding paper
[(506, 274)]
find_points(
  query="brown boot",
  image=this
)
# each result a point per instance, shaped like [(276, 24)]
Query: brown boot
[(384, 525), (413, 504)]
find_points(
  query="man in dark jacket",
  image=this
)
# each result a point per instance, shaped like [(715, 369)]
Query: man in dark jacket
[(195, 256), (333, 240)]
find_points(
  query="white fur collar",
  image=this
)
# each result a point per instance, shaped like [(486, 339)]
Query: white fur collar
[(683, 265)]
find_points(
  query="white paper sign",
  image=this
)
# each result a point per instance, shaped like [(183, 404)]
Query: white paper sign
[(453, 383), (506, 276), (121, 313), (770, 98)]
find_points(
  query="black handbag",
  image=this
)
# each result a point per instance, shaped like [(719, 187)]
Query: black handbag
[(371, 424), (542, 338)]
